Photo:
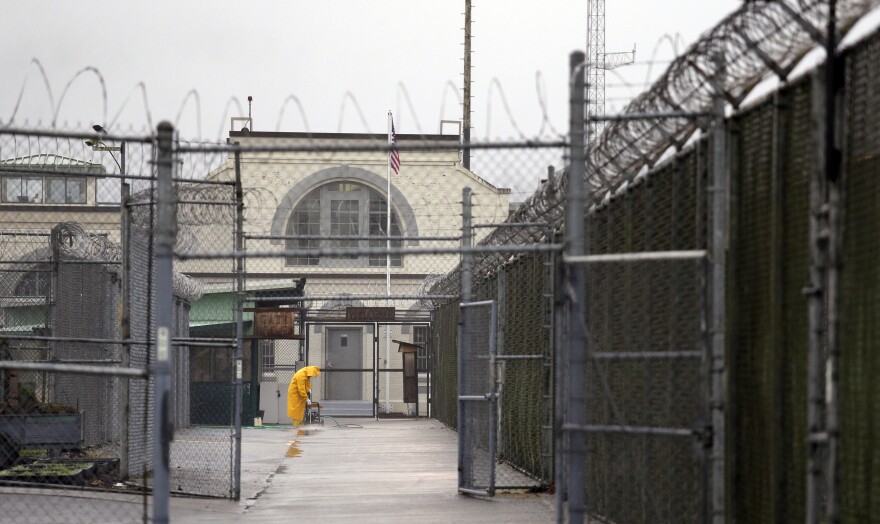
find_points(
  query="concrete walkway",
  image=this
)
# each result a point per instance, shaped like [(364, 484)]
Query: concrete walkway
[(359, 470), (346, 470)]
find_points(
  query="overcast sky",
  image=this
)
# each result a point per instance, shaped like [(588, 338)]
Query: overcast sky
[(319, 51)]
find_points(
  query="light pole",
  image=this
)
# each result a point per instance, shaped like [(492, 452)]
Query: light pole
[(98, 145), (125, 320)]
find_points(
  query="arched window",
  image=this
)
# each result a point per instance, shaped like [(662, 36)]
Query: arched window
[(342, 209)]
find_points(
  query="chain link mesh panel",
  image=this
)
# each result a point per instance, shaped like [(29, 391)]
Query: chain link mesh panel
[(78, 277), (770, 317), (859, 362), (646, 396), (793, 265), (754, 360), (203, 448), (476, 404), (444, 393), (62, 283), (524, 374)]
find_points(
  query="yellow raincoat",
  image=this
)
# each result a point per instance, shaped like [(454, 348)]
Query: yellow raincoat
[(298, 393)]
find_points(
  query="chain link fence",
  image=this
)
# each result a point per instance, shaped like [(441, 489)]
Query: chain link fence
[(859, 468), (716, 356), (317, 239), (513, 268), (290, 223), (769, 388), (647, 374), (773, 442), (79, 319), (477, 406), (203, 452), (769, 319), (75, 402)]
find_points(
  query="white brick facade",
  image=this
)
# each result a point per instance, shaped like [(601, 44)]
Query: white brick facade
[(426, 197)]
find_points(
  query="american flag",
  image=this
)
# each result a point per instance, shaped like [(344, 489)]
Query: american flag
[(395, 156)]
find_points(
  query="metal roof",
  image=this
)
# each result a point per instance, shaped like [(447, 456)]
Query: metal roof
[(48, 160)]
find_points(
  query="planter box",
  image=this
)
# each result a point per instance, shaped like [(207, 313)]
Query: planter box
[(43, 431)]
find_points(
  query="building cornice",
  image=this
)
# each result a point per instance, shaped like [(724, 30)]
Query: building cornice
[(341, 136)]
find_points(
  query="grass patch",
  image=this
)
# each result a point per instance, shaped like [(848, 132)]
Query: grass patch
[(47, 469), (32, 453)]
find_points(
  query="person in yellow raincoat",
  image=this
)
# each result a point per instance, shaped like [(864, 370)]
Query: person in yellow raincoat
[(298, 393)]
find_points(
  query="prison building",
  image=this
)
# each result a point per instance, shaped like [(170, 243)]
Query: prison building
[(326, 191)]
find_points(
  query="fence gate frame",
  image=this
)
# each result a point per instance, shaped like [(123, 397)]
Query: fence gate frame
[(375, 371), (466, 434)]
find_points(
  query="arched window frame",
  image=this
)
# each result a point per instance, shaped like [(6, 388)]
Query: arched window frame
[(342, 208)]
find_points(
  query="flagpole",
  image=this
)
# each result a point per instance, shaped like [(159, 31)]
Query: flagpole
[(388, 272)]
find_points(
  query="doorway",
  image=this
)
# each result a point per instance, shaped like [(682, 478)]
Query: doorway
[(343, 364)]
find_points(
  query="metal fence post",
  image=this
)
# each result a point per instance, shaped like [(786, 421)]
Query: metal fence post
[(815, 294), (575, 245), (720, 214), (560, 340), (493, 400), (166, 231), (239, 325), (125, 349), (125, 321), (777, 290), (499, 366), (833, 173), (833, 349), (466, 241)]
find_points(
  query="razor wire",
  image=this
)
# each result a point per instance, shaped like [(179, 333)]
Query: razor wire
[(752, 41), (78, 244), (757, 38)]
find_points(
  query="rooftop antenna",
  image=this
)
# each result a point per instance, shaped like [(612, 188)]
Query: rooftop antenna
[(598, 61), (250, 119)]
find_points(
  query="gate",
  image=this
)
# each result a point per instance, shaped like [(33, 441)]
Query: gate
[(647, 409), (477, 400)]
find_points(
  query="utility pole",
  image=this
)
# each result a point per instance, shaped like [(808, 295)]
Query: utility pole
[(466, 99)]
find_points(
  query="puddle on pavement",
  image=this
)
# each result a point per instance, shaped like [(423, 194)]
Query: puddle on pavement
[(292, 449)]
